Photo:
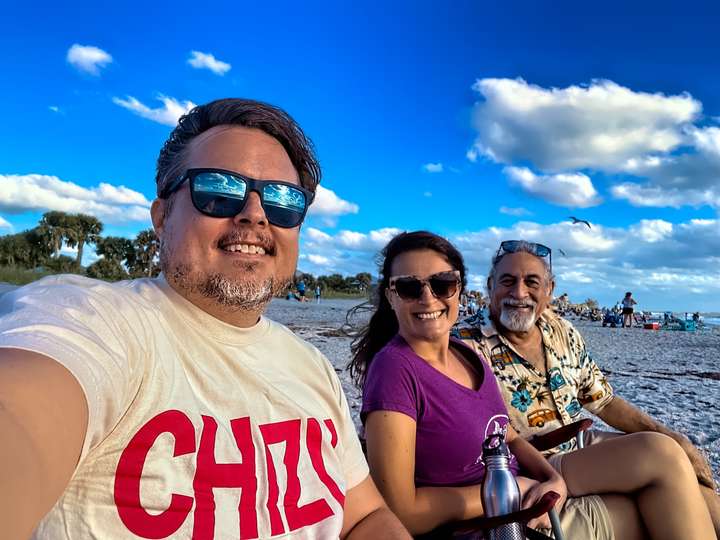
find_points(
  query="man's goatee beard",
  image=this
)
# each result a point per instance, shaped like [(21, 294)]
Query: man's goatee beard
[(516, 321), (231, 294)]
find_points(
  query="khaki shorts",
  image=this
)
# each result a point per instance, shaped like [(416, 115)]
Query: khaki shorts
[(585, 518), (591, 436)]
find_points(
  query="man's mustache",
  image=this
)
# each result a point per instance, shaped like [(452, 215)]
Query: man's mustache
[(257, 238), (511, 302)]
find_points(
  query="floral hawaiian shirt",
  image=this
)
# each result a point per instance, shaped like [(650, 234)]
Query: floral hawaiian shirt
[(541, 402)]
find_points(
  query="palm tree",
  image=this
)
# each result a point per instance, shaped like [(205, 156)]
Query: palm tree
[(27, 249), (54, 228), (82, 228), (114, 248), (147, 250)]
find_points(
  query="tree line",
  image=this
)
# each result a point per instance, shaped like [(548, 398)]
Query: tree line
[(39, 248), (120, 258), (335, 282)]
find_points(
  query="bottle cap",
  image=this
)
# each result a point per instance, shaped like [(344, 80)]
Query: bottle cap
[(495, 445)]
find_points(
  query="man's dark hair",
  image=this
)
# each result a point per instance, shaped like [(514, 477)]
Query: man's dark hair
[(383, 324), (239, 112)]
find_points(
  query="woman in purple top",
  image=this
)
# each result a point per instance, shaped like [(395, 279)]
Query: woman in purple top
[(429, 402)]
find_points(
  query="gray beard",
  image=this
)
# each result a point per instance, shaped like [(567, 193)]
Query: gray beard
[(232, 294), (516, 321)]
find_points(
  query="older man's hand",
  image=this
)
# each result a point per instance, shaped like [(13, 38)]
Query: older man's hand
[(697, 459)]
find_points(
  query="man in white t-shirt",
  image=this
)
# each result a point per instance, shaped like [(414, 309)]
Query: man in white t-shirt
[(170, 407)]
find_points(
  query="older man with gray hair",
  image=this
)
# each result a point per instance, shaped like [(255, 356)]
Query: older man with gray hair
[(547, 378)]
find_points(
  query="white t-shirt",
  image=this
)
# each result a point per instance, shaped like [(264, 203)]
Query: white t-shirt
[(197, 429)]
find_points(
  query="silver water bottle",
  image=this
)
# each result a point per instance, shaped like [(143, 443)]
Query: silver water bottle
[(500, 492)]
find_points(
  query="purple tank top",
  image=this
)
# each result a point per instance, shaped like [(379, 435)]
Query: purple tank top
[(452, 421)]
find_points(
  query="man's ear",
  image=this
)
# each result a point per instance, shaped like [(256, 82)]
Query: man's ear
[(157, 214), (552, 288)]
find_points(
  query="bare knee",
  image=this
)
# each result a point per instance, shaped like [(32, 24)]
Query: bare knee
[(664, 458)]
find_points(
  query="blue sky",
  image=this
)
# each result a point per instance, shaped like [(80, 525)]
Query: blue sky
[(478, 122)]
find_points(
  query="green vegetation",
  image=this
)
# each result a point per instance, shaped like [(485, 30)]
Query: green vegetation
[(35, 253), (335, 285), (20, 276)]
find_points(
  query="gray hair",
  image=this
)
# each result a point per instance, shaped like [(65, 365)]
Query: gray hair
[(525, 247)]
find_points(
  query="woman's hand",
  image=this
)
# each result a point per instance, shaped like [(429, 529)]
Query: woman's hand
[(531, 491)]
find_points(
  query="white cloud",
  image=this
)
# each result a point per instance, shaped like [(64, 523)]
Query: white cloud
[(604, 262), (476, 282), (433, 167), (200, 60), (318, 259), (5, 224), (88, 58), (510, 211), (37, 192), (573, 276), (348, 252), (168, 114), (652, 230), (655, 196), (327, 203), (427, 194), (691, 178), (600, 125), (574, 190), (55, 109), (657, 260), (316, 235)]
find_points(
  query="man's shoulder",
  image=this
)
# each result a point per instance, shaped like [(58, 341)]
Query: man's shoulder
[(554, 322), (476, 327), (69, 291), (283, 337)]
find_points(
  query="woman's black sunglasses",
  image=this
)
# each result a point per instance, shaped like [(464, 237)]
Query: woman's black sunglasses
[(442, 285), (222, 194)]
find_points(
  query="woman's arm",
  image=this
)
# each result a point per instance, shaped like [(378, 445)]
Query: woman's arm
[(391, 456)]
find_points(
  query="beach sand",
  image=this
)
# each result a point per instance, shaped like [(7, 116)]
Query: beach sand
[(673, 376)]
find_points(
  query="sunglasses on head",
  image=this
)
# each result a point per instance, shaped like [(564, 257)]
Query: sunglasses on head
[(442, 285), (513, 246), (222, 194)]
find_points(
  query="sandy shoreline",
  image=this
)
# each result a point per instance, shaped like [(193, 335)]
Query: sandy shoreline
[(674, 376)]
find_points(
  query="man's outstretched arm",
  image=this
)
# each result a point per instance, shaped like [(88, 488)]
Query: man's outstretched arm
[(367, 515), (626, 417), (43, 419)]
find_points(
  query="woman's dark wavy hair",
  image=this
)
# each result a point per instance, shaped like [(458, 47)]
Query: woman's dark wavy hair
[(240, 112), (383, 324)]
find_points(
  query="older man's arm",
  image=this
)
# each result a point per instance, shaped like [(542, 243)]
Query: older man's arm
[(625, 417), (367, 515)]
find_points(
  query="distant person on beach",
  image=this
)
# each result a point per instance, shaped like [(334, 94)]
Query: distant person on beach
[(301, 290), (627, 309), (170, 407), (318, 292), (430, 402), (547, 378)]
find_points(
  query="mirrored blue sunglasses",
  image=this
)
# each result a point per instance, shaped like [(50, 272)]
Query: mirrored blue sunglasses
[(222, 194)]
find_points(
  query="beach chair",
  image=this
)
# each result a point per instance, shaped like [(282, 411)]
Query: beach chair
[(477, 528)]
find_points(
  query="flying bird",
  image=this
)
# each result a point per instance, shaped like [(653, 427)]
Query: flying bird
[(576, 220), (562, 252)]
